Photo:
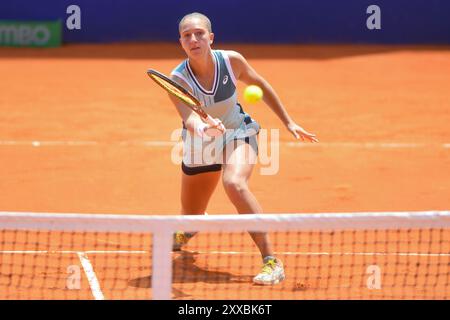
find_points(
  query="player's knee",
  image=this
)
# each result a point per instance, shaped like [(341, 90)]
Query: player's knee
[(234, 186)]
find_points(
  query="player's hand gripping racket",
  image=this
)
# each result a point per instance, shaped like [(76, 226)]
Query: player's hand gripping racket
[(181, 93)]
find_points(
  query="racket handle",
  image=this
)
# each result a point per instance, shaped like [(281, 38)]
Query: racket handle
[(214, 123), (211, 121)]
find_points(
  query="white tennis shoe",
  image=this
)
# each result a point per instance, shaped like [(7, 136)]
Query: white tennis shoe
[(272, 272)]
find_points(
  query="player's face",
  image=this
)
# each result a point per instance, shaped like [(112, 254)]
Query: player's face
[(195, 38)]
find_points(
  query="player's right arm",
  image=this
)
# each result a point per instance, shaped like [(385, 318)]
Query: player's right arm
[(192, 120)]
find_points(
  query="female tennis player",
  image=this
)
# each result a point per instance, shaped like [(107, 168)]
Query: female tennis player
[(211, 76)]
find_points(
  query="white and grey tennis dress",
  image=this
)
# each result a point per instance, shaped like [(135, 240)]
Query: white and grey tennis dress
[(220, 102)]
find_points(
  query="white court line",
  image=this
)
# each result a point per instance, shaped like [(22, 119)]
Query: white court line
[(368, 145), (156, 143), (73, 252), (37, 143), (413, 254), (91, 276)]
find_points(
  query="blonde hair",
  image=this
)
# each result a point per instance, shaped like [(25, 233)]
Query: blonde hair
[(196, 15)]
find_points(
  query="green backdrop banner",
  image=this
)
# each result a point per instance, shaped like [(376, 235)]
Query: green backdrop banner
[(30, 33)]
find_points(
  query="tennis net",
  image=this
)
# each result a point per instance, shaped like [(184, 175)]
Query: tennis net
[(397, 255)]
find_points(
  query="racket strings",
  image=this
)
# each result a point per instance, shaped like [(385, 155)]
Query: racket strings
[(178, 91), (175, 91)]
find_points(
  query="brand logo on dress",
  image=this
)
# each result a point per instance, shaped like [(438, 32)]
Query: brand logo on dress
[(225, 80)]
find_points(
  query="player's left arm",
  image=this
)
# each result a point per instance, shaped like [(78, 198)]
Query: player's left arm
[(243, 71)]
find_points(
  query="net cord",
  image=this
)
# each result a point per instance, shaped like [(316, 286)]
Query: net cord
[(224, 223)]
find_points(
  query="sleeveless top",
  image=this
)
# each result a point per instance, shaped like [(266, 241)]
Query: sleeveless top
[(221, 101)]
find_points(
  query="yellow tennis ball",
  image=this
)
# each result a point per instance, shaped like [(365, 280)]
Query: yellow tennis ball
[(253, 94)]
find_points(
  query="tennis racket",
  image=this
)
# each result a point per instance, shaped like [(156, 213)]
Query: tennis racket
[(181, 93)]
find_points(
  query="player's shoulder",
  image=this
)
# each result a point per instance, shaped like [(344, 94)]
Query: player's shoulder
[(181, 79), (179, 74), (237, 62), (233, 55), (179, 68)]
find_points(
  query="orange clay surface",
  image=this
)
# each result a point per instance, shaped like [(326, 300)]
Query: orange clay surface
[(100, 129)]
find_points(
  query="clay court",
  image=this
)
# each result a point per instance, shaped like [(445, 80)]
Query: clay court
[(85, 131)]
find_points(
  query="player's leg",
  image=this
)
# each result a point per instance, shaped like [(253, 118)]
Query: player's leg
[(237, 169), (240, 158), (197, 187)]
